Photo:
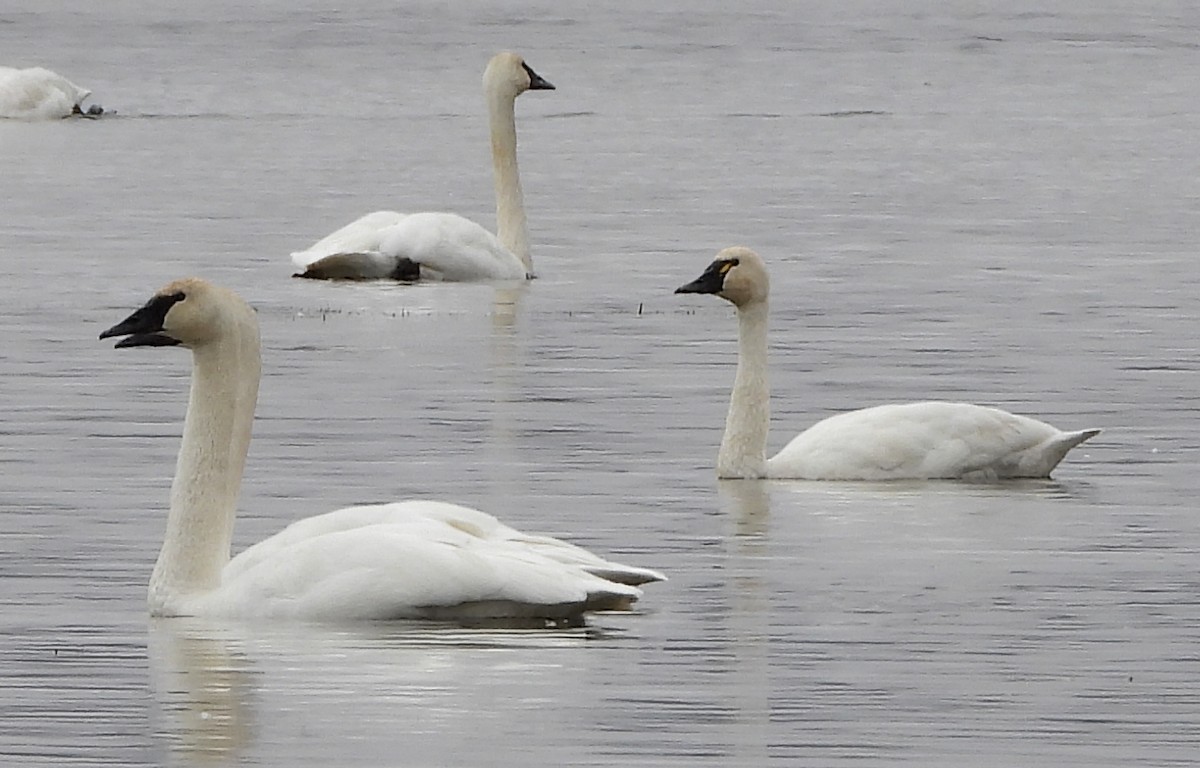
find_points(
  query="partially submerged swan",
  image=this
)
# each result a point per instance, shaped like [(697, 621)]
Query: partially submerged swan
[(930, 440), (408, 559), (39, 94), (444, 246)]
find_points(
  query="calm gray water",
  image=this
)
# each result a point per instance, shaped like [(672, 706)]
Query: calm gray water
[(988, 205)]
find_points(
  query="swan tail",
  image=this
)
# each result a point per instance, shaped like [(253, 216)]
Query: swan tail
[(1052, 451), (612, 597)]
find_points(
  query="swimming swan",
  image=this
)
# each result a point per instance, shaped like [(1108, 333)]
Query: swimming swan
[(407, 559), (39, 94), (444, 246), (932, 440)]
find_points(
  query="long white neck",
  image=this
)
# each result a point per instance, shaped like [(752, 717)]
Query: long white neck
[(208, 474), (744, 446), (511, 227)]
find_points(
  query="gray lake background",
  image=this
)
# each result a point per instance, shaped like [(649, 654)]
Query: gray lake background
[(992, 202)]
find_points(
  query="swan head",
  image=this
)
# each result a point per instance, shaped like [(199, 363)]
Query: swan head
[(191, 313), (508, 74), (738, 275)]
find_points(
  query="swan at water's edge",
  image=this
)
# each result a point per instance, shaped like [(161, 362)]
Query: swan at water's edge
[(929, 440), (39, 94), (444, 246), (409, 559)]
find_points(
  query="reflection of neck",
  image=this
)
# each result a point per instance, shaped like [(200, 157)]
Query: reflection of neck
[(511, 228), (744, 446), (208, 473)]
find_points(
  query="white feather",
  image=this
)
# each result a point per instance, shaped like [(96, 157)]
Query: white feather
[(38, 94)]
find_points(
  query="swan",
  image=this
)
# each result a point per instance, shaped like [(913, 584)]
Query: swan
[(408, 559), (915, 441), (39, 94), (444, 246)]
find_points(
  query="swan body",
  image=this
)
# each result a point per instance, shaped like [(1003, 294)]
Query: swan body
[(39, 94), (405, 560), (927, 440), (444, 246)]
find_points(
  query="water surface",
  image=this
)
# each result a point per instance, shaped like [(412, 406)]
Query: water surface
[(987, 205)]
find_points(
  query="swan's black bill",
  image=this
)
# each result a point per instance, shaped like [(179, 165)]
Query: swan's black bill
[(712, 281), (144, 328), (536, 81)]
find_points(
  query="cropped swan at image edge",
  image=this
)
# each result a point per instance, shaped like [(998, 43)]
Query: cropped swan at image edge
[(39, 94), (404, 560), (916, 441), (444, 246)]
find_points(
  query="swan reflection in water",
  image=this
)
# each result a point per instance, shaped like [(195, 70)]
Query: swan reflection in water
[(203, 688), (225, 690)]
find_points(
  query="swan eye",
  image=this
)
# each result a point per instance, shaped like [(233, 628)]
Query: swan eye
[(728, 265), (177, 296)]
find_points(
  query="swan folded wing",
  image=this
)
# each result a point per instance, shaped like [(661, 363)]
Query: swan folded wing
[(451, 247), (396, 571), (932, 440), (569, 554), (418, 559), (483, 525), (361, 236)]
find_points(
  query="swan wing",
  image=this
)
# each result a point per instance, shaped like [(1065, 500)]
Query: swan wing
[(416, 559), (923, 441), (360, 236), (450, 247)]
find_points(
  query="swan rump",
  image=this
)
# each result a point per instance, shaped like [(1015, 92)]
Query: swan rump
[(39, 94), (404, 560), (436, 245), (915, 441)]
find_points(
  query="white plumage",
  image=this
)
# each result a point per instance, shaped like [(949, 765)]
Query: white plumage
[(444, 246), (926, 440), (411, 559), (39, 94)]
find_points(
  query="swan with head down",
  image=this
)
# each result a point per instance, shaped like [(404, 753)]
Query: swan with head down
[(407, 559), (444, 246), (925, 440), (39, 94)]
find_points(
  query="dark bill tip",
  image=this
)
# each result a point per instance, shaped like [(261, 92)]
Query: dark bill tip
[(536, 81), (146, 340), (712, 281), (144, 328)]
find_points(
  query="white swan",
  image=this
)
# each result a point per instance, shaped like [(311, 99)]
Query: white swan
[(409, 559), (444, 246), (39, 94), (931, 440)]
